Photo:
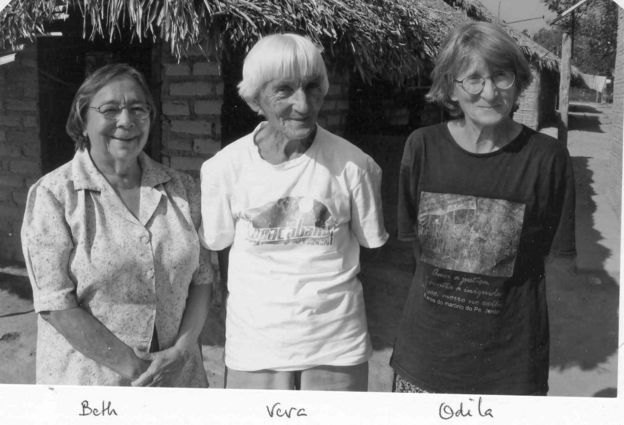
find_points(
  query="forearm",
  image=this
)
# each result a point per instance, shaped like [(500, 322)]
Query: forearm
[(92, 339), (194, 316)]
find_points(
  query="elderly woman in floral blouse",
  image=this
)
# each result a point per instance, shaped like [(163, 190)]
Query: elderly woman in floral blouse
[(110, 242)]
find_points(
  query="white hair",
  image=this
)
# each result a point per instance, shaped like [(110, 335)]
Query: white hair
[(279, 56)]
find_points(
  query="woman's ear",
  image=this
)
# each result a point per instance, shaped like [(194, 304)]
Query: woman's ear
[(255, 106)]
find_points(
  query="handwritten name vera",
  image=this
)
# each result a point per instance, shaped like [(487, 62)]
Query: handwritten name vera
[(278, 411), (445, 411)]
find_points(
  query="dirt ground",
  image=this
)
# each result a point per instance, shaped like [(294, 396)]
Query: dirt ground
[(584, 313)]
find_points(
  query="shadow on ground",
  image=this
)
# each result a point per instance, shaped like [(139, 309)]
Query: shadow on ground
[(16, 285), (590, 123), (584, 313), (584, 108)]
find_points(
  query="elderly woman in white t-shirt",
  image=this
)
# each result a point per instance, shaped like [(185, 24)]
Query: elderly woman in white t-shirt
[(294, 202)]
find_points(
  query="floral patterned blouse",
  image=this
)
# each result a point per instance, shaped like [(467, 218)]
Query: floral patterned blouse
[(83, 247)]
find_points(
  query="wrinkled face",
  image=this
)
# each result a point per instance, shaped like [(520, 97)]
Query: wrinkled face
[(492, 104), (122, 136), (291, 106)]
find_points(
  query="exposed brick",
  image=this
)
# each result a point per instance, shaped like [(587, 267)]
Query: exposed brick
[(10, 248), (6, 195), (208, 107), (186, 163), (10, 120), (334, 90), (180, 145), (177, 70), (333, 119), (24, 167), (28, 62), (20, 197), (30, 92), (206, 68), (10, 149), (342, 105), (219, 89), (11, 180), (190, 89), (30, 121), (176, 108), (21, 105), (206, 146), (31, 180), (330, 106), (192, 127)]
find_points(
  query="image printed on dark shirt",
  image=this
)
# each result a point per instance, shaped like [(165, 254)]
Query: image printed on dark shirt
[(468, 247), (299, 220)]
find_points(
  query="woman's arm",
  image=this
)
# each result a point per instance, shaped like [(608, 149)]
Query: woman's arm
[(48, 246), (92, 339), (170, 361)]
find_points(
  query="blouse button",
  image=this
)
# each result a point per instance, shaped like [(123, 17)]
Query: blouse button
[(145, 239), (149, 274)]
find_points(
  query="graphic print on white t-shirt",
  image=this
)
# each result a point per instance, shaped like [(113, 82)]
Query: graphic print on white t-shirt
[(469, 247), (292, 219)]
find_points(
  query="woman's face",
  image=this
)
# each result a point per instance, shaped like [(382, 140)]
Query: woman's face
[(117, 136), (291, 107), (489, 107)]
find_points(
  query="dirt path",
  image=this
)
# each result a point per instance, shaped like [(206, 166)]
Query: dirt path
[(583, 314)]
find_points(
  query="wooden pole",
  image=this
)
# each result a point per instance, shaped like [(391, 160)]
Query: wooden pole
[(564, 86)]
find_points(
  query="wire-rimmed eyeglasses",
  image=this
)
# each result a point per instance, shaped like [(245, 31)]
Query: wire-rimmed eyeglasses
[(475, 83), (112, 111)]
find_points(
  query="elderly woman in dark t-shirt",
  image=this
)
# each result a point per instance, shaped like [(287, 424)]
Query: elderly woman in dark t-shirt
[(485, 200)]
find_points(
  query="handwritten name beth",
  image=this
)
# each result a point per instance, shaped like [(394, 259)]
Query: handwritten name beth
[(106, 409)]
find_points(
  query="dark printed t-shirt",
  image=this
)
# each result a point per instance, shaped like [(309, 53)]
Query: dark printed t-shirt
[(476, 320)]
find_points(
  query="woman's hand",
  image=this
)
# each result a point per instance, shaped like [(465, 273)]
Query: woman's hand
[(163, 366)]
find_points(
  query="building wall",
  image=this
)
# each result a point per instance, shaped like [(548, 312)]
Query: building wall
[(615, 134), (548, 92), (20, 148), (191, 95), (192, 98), (528, 102)]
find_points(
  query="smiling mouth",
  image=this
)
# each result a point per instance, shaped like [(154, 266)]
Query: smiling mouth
[(125, 139)]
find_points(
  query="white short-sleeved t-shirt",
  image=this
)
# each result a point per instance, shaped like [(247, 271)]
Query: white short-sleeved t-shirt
[(295, 229)]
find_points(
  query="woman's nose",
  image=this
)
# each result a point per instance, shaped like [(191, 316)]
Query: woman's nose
[(125, 118), (489, 89), (300, 100)]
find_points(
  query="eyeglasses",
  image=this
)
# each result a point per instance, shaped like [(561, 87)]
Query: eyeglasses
[(475, 84), (112, 111)]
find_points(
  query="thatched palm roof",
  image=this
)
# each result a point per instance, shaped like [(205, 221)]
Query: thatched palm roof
[(392, 39), (389, 38)]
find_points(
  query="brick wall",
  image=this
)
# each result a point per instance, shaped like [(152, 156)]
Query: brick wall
[(192, 96), (528, 102), (20, 149), (614, 193), (333, 115)]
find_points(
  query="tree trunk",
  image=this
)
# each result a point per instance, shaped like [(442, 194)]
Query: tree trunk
[(564, 86)]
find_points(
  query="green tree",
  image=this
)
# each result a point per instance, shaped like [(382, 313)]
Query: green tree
[(595, 34)]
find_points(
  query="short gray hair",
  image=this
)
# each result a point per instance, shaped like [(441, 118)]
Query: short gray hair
[(280, 56)]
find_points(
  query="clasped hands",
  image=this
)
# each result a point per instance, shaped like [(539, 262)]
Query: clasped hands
[(160, 366)]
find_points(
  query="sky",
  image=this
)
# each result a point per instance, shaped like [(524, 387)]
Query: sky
[(515, 10)]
